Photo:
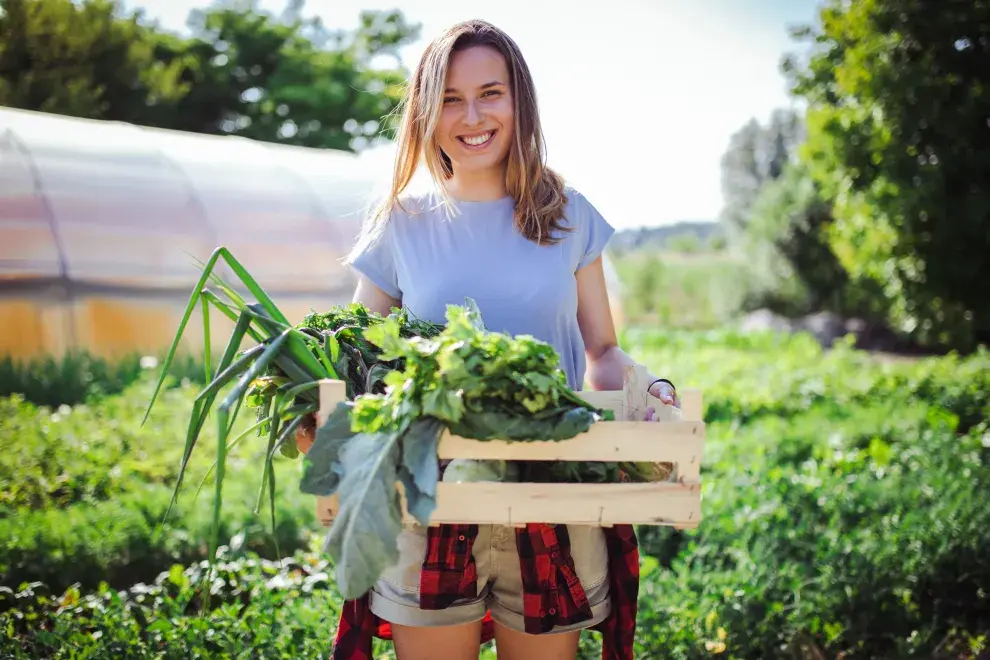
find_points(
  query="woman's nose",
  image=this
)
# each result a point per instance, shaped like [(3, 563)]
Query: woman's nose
[(473, 115)]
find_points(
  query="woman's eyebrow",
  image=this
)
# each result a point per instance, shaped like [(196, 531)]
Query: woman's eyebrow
[(494, 83)]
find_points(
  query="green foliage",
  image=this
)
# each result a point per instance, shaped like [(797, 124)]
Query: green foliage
[(69, 379), (858, 534), (359, 362), (84, 60), (467, 372), (741, 382), (842, 499), (271, 608), (280, 610), (786, 243), (685, 243), (79, 376), (756, 155), (288, 79), (87, 487), (670, 290), (844, 515), (897, 136), (242, 72)]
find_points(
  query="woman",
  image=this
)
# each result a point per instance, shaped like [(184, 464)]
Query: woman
[(502, 228)]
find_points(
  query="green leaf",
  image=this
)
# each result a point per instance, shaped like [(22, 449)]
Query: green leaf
[(320, 476), (443, 403), (190, 306), (420, 469), (488, 425), (362, 539), (202, 406)]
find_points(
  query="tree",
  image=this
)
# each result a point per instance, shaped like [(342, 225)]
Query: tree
[(82, 60), (756, 155), (786, 243), (898, 136), (242, 72), (289, 80)]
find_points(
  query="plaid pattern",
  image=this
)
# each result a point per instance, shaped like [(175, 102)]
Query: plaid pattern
[(552, 593)]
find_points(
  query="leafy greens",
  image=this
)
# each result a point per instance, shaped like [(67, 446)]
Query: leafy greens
[(476, 383)]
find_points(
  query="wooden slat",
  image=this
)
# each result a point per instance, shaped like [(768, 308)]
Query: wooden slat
[(609, 400), (678, 442), (332, 392), (691, 404), (578, 504), (572, 504)]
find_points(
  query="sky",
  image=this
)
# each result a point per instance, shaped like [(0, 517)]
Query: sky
[(638, 98)]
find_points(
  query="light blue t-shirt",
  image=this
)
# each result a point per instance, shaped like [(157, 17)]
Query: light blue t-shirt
[(429, 259)]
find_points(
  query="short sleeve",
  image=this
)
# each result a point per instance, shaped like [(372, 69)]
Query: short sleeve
[(374, 257), (595, 231)]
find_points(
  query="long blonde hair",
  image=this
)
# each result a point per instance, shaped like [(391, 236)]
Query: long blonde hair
[(537, 190)]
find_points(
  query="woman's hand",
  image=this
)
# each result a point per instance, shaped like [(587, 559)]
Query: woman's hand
[(306, 433), (667, 395)]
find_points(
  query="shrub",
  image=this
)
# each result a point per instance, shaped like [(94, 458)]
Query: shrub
[(79, 376), (89, 487)]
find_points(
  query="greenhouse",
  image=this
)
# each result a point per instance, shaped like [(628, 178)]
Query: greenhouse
[(103, 226)]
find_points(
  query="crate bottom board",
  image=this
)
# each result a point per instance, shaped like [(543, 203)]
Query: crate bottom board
[(662, 503)]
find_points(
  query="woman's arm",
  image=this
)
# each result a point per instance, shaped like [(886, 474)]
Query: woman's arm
[(375, 300), (373, 297), (606, 361)]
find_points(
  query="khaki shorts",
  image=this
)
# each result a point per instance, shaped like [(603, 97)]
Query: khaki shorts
[(395, 597)]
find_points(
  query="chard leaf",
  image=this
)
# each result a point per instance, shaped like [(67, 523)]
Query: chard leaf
[(420, 469), (322, 463), (494, 424), (362, 539), (420, 505)]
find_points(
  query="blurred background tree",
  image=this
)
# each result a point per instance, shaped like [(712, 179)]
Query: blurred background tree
[(241, 71), (899, 140), (756, 155), (83, 60), (874, 200)]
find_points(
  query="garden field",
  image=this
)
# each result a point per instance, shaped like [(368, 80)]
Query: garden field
[(845, 516)]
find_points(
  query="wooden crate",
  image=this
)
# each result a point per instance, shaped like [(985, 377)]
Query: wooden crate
[(678, 438)]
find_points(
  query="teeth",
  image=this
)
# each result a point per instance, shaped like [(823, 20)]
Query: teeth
[(478, 139)]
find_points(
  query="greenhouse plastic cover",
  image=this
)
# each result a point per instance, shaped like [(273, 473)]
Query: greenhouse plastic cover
[(117, 204)]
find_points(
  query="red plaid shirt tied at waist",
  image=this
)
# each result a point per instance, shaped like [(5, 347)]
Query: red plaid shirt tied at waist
[(553, 595)]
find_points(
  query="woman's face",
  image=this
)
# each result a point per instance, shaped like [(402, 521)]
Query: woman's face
[(476, 120)]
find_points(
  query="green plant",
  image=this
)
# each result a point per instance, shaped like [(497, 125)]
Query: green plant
[(86, 489)]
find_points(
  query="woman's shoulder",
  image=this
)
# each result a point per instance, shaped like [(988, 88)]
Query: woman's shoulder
[(579, 211), (590, 232)]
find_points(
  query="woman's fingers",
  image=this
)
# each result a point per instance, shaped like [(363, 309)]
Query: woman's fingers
[(666, 394)]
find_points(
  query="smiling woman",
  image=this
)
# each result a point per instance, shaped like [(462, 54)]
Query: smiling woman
[(501, 228)]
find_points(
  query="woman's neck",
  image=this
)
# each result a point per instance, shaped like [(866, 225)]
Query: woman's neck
[(482, 186)]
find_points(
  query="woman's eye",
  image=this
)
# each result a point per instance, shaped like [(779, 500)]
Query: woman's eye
[(492, 92), (449, 99)]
